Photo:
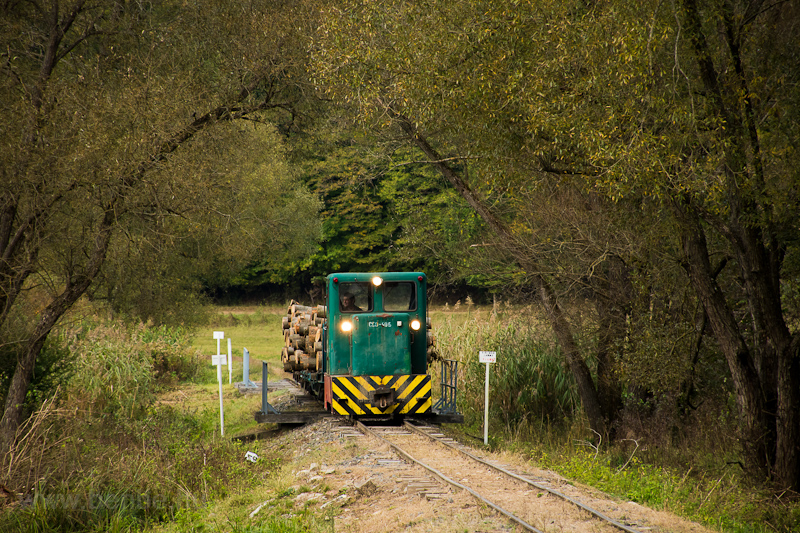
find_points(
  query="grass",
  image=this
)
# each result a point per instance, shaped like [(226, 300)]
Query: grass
[(727, 501), (695, 478), (125, 446), (257, 328), (149, 456)]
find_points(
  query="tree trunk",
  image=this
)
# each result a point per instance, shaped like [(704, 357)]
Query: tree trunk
[(759, 438), (611, 328), (766, 374), (76, 286), (558, 321), (583, 377), (787, 460), (18, 390), (776, 354)]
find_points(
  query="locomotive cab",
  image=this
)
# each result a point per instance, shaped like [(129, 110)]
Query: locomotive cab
[(376, 344)]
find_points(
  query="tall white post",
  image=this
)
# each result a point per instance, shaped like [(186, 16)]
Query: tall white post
[(486, 409), (221, 409), (230, 362), (220, 360), (488, 358)]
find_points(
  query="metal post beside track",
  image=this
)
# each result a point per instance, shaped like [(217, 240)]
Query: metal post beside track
[(266, 408)]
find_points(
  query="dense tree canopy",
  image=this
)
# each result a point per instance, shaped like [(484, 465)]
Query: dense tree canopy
[(675, 123), (638, 157), (118, 150), (376, 215)]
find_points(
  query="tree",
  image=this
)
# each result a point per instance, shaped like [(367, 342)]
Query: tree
[(683, 115), (741, 162), (359, 228), (376, 215), (100, 101), (454, 96), (253, 209), (709, 147)]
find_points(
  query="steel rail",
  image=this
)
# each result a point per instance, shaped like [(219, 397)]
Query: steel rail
[(448, 480), (554, 492)]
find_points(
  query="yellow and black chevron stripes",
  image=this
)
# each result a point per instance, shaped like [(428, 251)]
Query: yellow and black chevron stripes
[(351, 394)]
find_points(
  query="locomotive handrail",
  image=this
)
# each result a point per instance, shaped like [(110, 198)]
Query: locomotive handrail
[(446, 405)]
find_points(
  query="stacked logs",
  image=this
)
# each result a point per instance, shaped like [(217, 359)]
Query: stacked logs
[(302, 333)]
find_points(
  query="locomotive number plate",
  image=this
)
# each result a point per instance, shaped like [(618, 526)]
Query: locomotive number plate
[(376, 324)]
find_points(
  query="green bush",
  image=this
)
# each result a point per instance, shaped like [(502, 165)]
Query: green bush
[(169, 347), (54, 365), (117, 369), (113, 374), (528, 383)]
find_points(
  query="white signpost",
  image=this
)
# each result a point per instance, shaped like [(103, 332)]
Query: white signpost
[(486, 357), (230, 362), (219, 360), (219, 335)]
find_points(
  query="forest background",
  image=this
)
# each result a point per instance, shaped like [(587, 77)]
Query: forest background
[(629, 168)]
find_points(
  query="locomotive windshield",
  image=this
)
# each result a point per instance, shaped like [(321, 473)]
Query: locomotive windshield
[(400, 296), (355, 297)]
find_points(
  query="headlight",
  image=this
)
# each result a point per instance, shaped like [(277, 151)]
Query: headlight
[(347, 326), (377, 281), (415, 325)]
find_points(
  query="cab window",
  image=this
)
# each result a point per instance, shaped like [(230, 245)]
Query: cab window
[(400, 296), (355, 297)]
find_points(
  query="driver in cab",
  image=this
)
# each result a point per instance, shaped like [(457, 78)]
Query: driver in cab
[(347, 303)]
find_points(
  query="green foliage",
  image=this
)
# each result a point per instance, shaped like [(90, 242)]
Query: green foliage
[(676, 116), (726, 502), (636, 482), (168, 467), (110, 459), (118, 368), (114, 380), (359, 228), (377, 214), (169, 347), (54, 368), (436, 222), (112, 512), (258, 219), (538, 94), (204, 469), (529, 383), (294, 523), (156, 469), (123, 173)]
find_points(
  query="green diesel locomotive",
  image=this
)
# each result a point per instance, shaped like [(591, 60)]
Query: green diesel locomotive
[(365, 354)]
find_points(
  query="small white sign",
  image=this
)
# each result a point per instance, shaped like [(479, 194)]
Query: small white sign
[(487, 357), (219, 359), (219, 335)]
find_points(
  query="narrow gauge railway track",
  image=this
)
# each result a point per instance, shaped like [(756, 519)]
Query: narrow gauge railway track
[(491, 483)]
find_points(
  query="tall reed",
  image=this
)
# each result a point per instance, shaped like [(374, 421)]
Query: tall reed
[(100, 455), (529, 381)]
